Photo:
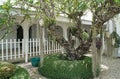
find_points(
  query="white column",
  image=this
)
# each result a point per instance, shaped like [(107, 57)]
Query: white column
[(65, 33), (26, 37), (43, 30), (38, 29), (43, 40), (110, 26)]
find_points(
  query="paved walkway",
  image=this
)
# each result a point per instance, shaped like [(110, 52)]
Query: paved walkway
[(112, 73)]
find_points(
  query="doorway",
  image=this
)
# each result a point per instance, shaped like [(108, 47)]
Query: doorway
[(19, 32)]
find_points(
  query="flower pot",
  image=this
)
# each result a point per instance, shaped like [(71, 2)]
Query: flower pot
[(35, 61)]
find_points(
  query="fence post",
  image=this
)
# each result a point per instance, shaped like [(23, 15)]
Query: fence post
[(2, 50), (33, 41), (18, 48), (36, 42), (6, 49), (14, 48), (30, 47), (23, 47), (11, 52)]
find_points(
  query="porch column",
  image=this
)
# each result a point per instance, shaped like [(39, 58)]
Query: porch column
[(65, 33), (25, 39), (38, 31)]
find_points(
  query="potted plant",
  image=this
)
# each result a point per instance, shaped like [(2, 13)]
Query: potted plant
[(35, 61)]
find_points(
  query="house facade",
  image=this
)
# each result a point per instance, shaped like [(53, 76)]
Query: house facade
[(23, 41), (29, 30), (30, 27), (113, 25)]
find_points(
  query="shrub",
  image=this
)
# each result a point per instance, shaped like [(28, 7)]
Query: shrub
[(20, 73), (11, 71), (6, 70), (56, 68)]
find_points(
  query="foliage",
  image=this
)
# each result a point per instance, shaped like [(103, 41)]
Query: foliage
[(11, 71), (20, 73), (74, 10), (56, 68), (117, 39), (49, 21), (71, 6), (85, 36), (72, 30), (6, 69), (6, 19)]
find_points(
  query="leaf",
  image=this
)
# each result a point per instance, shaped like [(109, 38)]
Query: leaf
[(82, 6), (117, 0), (30, 1), (98, 1), (37, 3)]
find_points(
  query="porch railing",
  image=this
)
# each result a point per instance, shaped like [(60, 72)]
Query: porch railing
[(15, 49)]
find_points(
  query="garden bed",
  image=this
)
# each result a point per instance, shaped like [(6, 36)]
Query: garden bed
[(11, 71)]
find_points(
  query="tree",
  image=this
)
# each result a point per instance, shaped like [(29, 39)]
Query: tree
[(103, 11), (6, 20), (74, 10)]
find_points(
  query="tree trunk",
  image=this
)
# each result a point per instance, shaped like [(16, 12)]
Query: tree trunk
[(97, 50), (94, 58), (41, 46)]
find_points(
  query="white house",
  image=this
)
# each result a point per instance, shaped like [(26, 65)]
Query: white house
[(23, 42), (114, 25)]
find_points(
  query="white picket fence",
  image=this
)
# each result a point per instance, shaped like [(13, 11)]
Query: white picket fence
[(25, 49)]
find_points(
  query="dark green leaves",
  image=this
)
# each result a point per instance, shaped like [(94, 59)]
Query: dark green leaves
[(117, 0), (99, 1)]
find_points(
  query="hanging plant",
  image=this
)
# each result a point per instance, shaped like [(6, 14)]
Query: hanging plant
[(116, 38), (73, 30)]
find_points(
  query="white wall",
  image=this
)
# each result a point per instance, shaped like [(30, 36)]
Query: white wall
[(117, 20), (33, 31), (111, 25), (11, 35)]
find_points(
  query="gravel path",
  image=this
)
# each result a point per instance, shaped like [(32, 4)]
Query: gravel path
[(114, 68), (112, 73), (34, 74)]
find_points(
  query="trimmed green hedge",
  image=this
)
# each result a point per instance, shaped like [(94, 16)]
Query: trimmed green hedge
[(56, 68), (11, 71)]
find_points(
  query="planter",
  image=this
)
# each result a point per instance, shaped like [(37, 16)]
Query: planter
[(35, 61)]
